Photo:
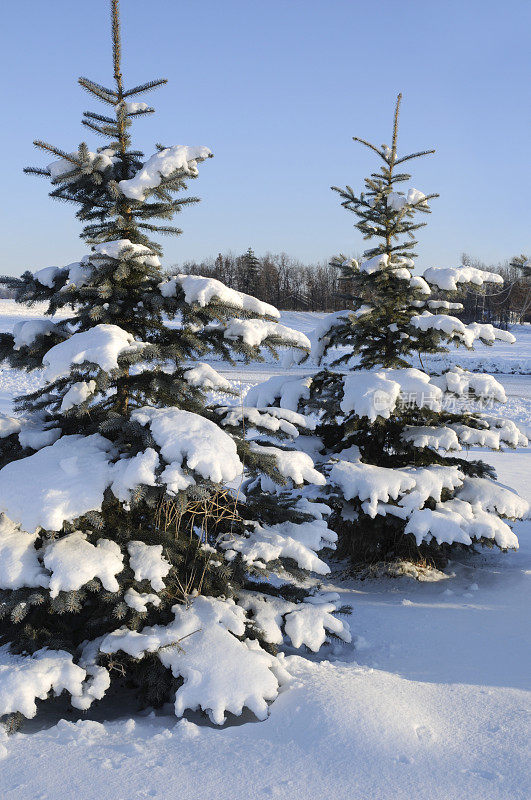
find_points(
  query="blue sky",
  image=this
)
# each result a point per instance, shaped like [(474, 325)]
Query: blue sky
[(277, 89)]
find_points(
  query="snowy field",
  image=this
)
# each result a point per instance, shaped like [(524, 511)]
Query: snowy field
[(430, 702)]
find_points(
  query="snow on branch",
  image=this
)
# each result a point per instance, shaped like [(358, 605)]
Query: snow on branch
[(56, 484), (206, 377), (453, 328), (305, 623), (372, 394), (124, 248), (292, 464), (182, 435), (101, 345), (255, 332), (73, 561), (288, 391), (268, 419), (321, 338), (160, 166), (19, 563), (221, 673), (300, 542), (24, 679), (99, 161), (25, 332), (448, 278), (205, 291)]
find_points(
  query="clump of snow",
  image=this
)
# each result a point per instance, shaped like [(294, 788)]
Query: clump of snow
[(181, 435), (206, 377), (205, 291), (374, 264), (130, 472), (101, 345), (305, 624), (23, 679), (374, 393), (435, 304), (99, 161), (397, 201), (441, 439), (19, 562), (506, 430), (77, 273), (58, 483), (139, 601), (47, 275), (25, 332), (133, 108), (415, 196), (254, 332), (320, 337), (73, 561), (448, 278), (148, 563), (458, 521), (308, 625), (162, 165), (125, 249), (292, 464), (34, 435), (369, 394), (284, 540), (77, 394), (459, 381), (420, 285), (493, 497), (240, 675), (453, 327), (370, 483), (287, 390), (270, 419), (375, 486)]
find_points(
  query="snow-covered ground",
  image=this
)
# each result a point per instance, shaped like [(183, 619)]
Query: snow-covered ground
[(429, 702)]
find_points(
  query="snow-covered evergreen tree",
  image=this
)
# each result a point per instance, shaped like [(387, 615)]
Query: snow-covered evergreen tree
[(127, 547), (390, 432)]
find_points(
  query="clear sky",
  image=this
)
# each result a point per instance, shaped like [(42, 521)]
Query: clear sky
[(277, 89)]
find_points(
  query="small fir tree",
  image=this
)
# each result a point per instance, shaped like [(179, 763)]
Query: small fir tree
[(390, 431), (127, 549)]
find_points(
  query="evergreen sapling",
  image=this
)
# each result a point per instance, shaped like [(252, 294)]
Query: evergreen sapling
[(128, 549), (390, 432)]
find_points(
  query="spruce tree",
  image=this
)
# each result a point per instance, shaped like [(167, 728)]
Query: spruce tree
[(128, 549), (390, 431), (249, 271)]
